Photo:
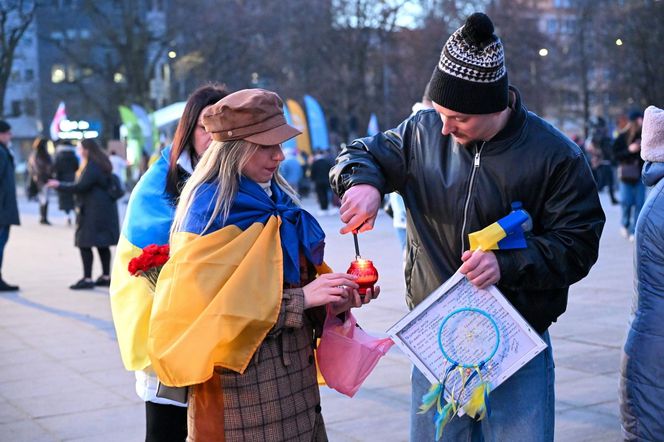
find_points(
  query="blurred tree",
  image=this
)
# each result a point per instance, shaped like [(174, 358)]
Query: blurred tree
[(633, 40), (517, 24), (15, 18)]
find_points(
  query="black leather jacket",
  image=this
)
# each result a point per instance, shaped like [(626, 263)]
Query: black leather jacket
[(452, 190)]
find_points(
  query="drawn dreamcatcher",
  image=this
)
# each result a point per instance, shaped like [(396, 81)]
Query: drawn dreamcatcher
[(468, 339)]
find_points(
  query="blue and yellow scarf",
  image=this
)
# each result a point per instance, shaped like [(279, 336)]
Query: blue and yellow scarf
[(220, 293)]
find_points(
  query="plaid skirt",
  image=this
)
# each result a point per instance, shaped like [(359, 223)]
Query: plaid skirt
[(277, 397)]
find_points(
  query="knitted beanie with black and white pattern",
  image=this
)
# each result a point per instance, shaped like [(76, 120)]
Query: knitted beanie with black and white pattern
[(471, 77)]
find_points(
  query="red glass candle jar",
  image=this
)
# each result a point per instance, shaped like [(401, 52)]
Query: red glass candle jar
[(366, 273)]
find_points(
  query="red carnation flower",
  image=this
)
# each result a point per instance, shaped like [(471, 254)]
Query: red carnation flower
[(149, 263), (152, 249)]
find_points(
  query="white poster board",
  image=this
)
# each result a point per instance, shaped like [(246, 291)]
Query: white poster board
[(417, 333)]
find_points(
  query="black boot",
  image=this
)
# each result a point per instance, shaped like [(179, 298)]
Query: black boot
[(614, 201), (43, 210), (4, 287)]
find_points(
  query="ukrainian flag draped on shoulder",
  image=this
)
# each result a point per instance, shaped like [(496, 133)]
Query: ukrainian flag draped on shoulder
[(220, 293), (147, 221)]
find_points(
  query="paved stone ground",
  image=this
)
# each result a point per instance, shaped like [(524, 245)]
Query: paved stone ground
[(61, 377)]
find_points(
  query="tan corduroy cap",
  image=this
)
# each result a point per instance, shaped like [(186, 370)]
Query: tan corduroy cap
[(255, 115)]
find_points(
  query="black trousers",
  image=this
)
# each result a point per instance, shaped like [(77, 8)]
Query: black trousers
[(165, 423), (322, 190), (104, 257), (4, 237)]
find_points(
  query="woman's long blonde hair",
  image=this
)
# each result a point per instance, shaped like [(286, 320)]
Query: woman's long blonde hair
[(222, 163)]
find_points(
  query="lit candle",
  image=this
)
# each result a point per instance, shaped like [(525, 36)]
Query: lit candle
[(366, 273)]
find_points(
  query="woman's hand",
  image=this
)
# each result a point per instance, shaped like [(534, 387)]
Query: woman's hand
[(329, 287), (354, 300), (635, 147), (53, 183)]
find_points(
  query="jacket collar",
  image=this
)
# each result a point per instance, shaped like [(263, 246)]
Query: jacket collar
[(652, 173), (184, 161), (9, 151), (514, 129)]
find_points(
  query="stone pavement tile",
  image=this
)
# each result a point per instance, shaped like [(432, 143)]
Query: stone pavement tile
[(125, 389), (24, 328), (337, 436), (9, 342), (386, 390), (91, 363), (377, 319), (612, 408), (565, 347), (609, 336), (128, 435), (16, 373), (40, 383), (76, 347), (588, 391), (112, 377), (9, 413), (565, 375), (580, 425), (371, 425), (587, 330), (597, 362), (71, 400), (26, 430), (22, 356), (128, 419)]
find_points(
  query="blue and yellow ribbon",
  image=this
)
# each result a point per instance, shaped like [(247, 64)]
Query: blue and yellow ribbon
[(506, 233)]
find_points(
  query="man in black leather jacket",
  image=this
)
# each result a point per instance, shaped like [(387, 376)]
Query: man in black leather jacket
[(458, 168)]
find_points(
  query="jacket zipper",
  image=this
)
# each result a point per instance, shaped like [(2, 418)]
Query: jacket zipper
[(476, 165)]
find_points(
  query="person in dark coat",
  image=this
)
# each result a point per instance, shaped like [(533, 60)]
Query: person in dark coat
[(320, 170), (459, 167), (642, 365), (40, 169), (97, 222), (8, 205), (65, 167)]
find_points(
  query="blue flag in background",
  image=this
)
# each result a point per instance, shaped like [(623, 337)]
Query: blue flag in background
[(373, 129), (290, 143), (317, 124)]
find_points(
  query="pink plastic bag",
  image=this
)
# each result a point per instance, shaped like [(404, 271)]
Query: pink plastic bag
[(347, 354)]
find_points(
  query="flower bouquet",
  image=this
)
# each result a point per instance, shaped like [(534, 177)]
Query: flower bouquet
[(149, 263)]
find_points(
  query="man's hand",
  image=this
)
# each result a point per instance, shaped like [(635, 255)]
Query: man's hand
[(359, 208), (481, 268)]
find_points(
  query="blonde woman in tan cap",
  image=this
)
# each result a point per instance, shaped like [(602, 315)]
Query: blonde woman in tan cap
[(642, 367), (239, 304)]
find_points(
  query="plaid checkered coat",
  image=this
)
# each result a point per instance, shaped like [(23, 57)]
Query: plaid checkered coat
[(277, 397)]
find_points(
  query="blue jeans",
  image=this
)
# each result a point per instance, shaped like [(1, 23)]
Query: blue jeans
[(4, 236), (522, 408), (632, 196)]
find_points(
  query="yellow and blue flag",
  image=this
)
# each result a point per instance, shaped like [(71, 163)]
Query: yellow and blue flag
[(147, 221), (506, 233), (220, 293)]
